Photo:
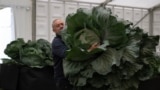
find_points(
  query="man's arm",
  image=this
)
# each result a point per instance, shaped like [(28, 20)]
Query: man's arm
[(93, 46)]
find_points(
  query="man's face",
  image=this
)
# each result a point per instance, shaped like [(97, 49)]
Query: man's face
[(57, 26)]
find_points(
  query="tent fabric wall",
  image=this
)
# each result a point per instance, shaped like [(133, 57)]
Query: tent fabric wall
[(22, 21), (22, 10), (48, 10)]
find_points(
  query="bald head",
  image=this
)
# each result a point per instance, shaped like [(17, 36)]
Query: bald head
[(57, 25)]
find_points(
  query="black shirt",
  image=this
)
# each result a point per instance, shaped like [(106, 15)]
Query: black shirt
[(58, 52)]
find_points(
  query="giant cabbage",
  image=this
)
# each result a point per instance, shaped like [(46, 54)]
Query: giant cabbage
[(126, 55), (32, 53)]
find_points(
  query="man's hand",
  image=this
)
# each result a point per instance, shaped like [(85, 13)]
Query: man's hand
[(93, 46)]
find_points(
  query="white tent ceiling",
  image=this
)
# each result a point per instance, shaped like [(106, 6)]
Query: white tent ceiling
[(136, 3), (129, 3)]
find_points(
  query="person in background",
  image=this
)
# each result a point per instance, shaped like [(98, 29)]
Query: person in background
[(58, 51)]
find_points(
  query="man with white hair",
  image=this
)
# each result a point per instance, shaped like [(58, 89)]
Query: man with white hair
[(58, 52)]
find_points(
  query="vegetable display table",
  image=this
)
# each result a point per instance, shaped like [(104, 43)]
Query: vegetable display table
[(36, 79), (9, 76), (14, 77)]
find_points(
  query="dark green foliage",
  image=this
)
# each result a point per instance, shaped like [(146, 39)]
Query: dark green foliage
[(13, 49), (125, 56), (33, 53)]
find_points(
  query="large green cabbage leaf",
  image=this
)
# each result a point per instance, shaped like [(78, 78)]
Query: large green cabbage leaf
[(126, 55), (32, 53)]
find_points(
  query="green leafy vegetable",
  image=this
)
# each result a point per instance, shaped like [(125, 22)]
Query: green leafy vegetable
[(125, 57), (33, 53)]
